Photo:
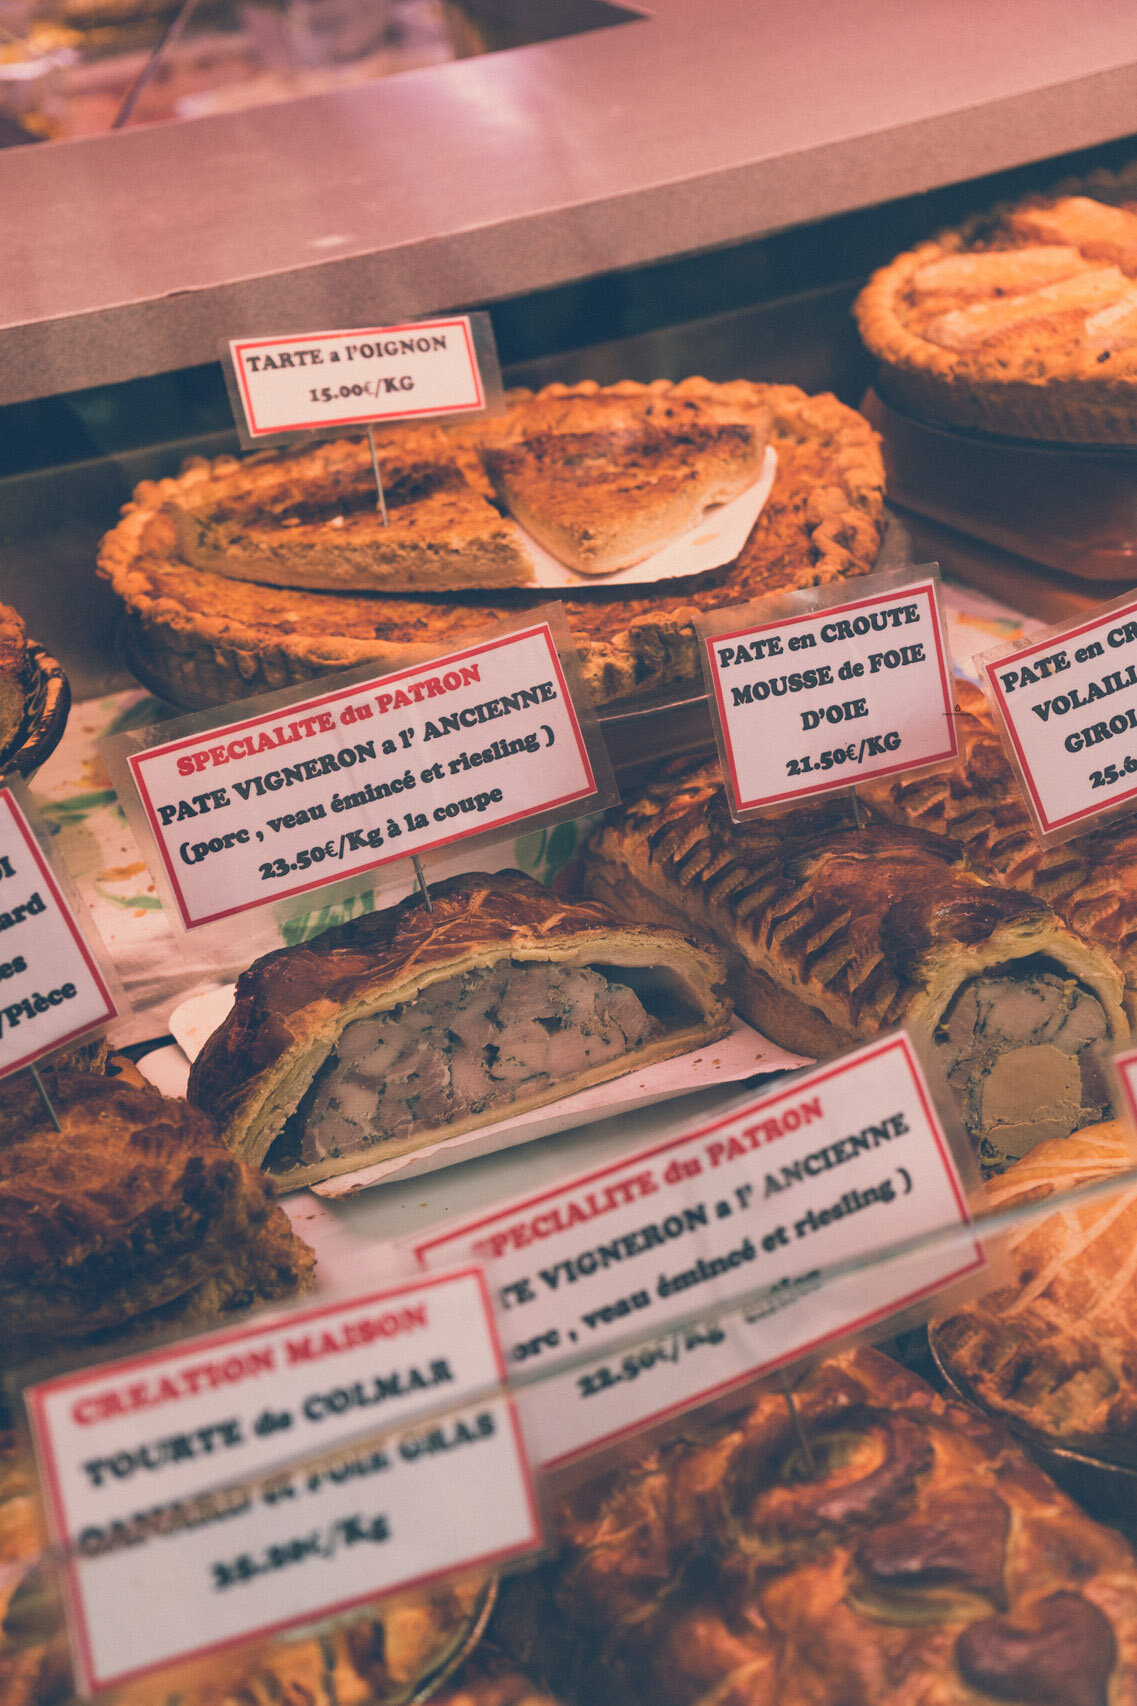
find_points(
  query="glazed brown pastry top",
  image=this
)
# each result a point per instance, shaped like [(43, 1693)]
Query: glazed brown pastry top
[(977, 804), (133, 1203), (1053, 1351), (923, 1559), (210, 638), (834, 934), (1023, 321), (850, 919)]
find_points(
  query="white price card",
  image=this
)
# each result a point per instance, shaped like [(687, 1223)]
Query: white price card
[(315, 381), (1066, 704), (846, 1160), (318, 789), (207, 1493), (814, 690), (52, 990)]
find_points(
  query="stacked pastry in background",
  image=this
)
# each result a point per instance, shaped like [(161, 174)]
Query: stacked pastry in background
[(1053, 1351), (1022, 322), (13, 677)]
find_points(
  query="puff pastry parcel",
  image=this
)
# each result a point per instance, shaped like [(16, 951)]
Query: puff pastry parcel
[(134, 1215), (977, 803), (1054, 1351), (835, 933), (408, 1026), (921, 1560)]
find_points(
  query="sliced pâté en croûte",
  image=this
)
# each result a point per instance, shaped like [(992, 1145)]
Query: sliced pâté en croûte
[(835, 933), (405, 1027)]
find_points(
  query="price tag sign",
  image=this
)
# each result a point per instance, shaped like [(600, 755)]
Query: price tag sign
[(1066, 705), (812, 690), (166, 1479), (306, 791), (325, 381), (52, 989), (845, 1160)]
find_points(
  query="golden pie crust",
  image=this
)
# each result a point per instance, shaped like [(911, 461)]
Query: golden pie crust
[(603, 480), (1021, 322), (924, 1559), (134, 1208), (293, 1006), (1053, 1351), (977, 804), (387, 1657), (203, 639), (833, 934)]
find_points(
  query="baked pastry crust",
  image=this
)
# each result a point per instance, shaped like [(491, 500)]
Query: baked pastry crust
[(1053, 1352), (13, 676), (977, 805), (927, 1560), (833, 933), (310, 519), (205, 640), (602, 480), (132, 1207), (293, 1005), (1040, 345)]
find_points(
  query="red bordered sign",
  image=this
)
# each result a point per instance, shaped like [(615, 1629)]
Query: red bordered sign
[(328, 787), (234, 1543), (812, 691), (326, 380), (858, 1161), (52, 989), (1066, 705)]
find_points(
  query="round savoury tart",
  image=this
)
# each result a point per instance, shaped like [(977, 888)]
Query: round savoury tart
[(1021, 322), (203, 638)]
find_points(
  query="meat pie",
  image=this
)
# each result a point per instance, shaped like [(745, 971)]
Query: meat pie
[(408, 1026), (834, 934)]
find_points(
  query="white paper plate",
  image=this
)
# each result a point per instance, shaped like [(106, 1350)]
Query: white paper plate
[(741, 1054), (715, 540)]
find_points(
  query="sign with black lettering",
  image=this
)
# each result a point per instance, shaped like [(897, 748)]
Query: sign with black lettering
[(843, 1161), (240, 1483), (814, 690), (321, 381), (52, 990), (321, 787), (1066, 706)]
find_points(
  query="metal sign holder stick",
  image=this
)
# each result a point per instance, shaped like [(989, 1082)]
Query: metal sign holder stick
[(381, 506)]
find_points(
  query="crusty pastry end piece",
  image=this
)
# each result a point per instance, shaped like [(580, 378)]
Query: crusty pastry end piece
[(408, 1026)]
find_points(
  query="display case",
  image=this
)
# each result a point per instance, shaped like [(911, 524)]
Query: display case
[(578, 1059)]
